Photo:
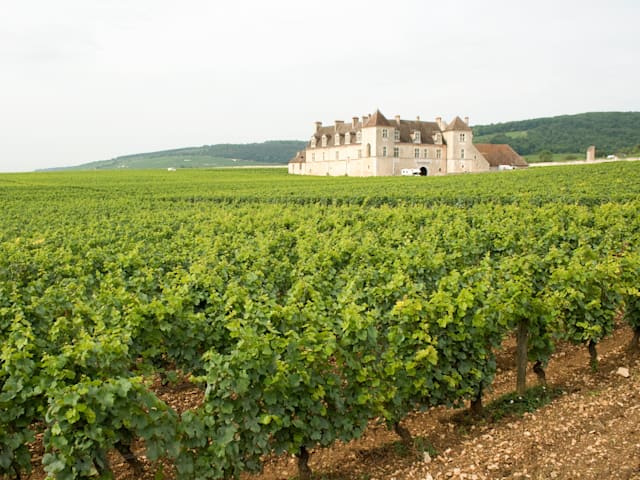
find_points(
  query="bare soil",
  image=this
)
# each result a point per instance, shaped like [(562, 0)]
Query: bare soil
[(591, 431)]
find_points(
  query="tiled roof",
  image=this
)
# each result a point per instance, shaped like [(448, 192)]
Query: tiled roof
[(406, 127), (458, 125), (330, 132), (299, 158), (426, 129), (501, 154), (378, 120)]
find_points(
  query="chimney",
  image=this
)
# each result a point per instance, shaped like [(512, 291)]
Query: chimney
[(365, 119), (338, 123), (318, 126), (466, 120), (354, 122), (417, 118), (439, 122), (398, 119)]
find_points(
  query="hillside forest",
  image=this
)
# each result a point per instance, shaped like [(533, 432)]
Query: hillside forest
[(611, 132)]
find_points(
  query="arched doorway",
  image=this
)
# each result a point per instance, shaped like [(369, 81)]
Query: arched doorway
[(423, 171)]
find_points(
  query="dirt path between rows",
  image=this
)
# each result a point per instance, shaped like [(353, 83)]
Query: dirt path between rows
[(592, 431)]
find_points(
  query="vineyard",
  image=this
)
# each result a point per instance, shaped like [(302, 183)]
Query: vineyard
[(301, 309)]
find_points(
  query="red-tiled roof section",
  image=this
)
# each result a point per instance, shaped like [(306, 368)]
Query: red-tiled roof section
[(408, 128), (458, 125), (378, 120), (330, 131), (299, 158), (501, 154)]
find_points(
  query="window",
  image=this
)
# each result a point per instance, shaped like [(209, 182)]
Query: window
[(360, 153), (347, 138), (358, 137), (462, 137), (417, 137), (313, 157), (313, 142), (396, 152), (416, 153), (337, 139), (439, 153), (324, 140), (396, 135), (385, 133), (323, 156), (462, 153), (426, 153), (337, 155), (384, 151)]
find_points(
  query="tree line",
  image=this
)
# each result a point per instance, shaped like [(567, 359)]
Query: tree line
[(611, 133)]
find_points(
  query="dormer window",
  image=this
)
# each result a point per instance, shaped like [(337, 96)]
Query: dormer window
[(324, 140), (337, 140), (396, 135), (359, 136), (385, 133), (347, 138), (416, 137), (437, 138), (314, 141)]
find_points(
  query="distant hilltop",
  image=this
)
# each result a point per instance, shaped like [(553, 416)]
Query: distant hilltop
[(275, 152), (613, 133)]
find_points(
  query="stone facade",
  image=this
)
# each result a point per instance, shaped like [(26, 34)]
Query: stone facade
[(375, 146)]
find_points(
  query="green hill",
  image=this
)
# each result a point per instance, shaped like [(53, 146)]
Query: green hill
[(222, 155), (611, 133)]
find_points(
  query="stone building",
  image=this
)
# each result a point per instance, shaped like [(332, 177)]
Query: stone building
[(375, 146), (501, 156)]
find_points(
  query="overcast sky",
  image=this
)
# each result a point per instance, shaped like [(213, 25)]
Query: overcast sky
[(86, 80)]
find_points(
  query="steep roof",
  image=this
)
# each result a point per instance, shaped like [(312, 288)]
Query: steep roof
[(378, 120), (501, 154), (426, 129), (406, 127), (298, 158), (330, 131), (457, 124)]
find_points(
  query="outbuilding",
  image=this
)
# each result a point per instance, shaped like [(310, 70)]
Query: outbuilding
[(501, 156)]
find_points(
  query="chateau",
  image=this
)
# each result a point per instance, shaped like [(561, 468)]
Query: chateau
[(375, 146)]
